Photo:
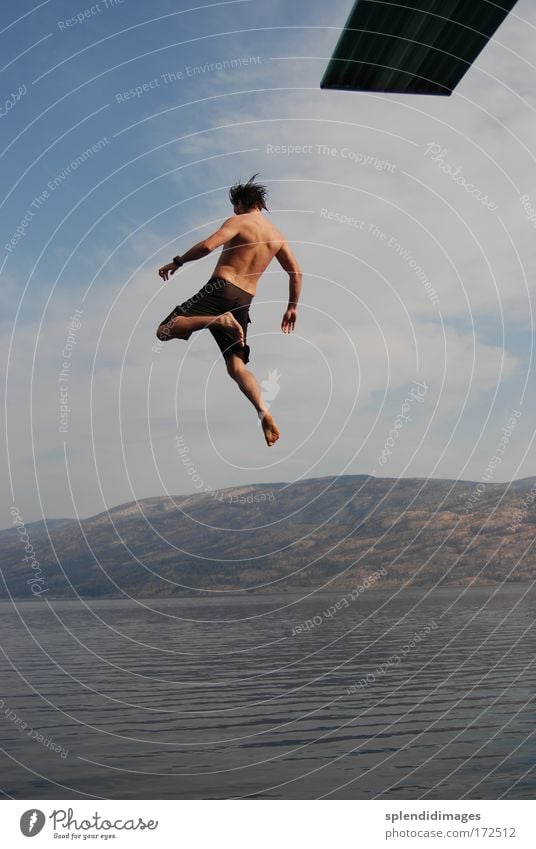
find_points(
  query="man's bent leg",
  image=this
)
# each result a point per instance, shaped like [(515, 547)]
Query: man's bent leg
[(248, 384), (182, 326)]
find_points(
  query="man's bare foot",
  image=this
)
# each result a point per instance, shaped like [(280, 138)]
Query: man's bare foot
[(271, 432), (229, 322)]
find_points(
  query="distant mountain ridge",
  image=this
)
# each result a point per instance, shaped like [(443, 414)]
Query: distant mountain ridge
[(328, 532)]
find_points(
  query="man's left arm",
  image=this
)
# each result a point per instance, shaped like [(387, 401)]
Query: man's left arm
[(226, 232), (288, 261)]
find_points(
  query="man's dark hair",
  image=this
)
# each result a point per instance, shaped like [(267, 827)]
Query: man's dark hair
[(250, 194)]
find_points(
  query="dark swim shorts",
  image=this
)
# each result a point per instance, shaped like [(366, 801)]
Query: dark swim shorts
[(214, 298)]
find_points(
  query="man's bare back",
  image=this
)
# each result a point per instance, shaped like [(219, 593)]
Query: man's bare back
[(251, 243)]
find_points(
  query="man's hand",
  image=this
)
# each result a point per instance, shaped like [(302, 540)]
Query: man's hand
[(168, 269), (289, 320)]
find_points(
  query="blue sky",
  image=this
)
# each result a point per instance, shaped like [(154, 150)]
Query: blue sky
[(367, 174)]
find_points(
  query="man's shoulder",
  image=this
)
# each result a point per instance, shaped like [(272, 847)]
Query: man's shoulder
[(273, 231)]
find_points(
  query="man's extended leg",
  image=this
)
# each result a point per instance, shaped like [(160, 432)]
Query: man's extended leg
[(247, 382), (182, 326)]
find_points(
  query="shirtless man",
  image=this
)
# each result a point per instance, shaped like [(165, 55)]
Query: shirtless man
[(250, 242)]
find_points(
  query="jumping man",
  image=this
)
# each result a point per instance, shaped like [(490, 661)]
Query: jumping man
[(250, 242)]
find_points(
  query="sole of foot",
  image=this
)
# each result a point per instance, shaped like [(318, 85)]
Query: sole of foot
[(229, 322), (270, 429)]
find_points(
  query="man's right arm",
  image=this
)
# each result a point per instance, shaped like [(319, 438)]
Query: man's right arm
[(228, 229), (288, 261)]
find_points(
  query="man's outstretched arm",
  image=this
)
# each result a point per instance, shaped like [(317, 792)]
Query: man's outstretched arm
[(288, 261), (226, 232)]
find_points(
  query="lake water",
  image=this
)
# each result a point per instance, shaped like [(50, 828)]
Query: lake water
[(223, 697)]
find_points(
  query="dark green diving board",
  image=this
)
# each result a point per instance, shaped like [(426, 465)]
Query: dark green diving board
[(412, 46)]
